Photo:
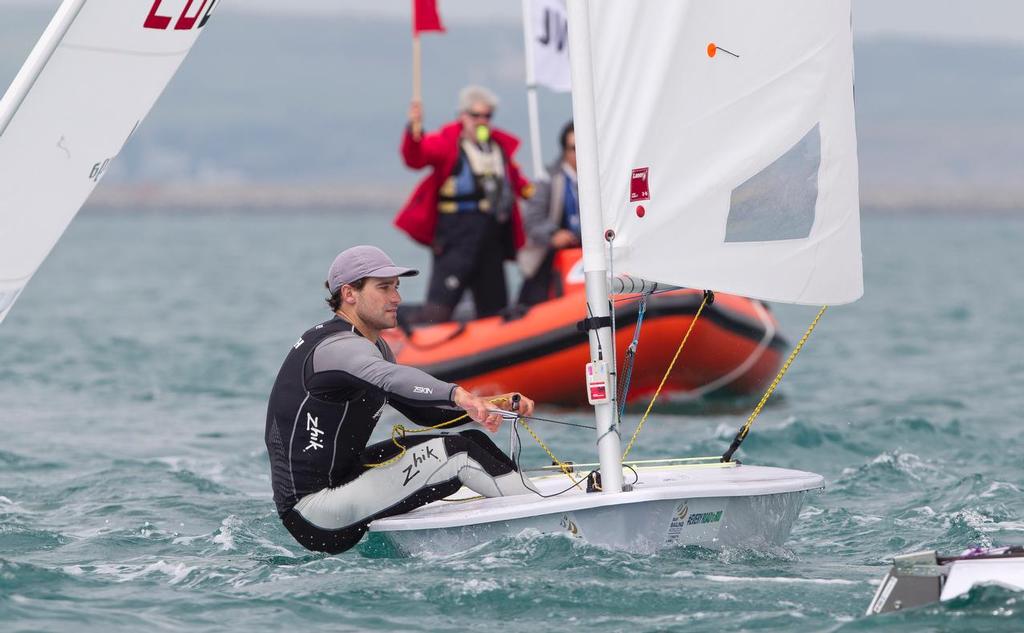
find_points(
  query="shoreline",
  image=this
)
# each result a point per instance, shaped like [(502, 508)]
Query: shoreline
[(276, 198)]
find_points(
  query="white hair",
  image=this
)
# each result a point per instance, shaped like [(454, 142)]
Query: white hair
[(476, 94)]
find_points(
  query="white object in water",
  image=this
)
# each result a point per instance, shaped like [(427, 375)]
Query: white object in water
[(925, 578)]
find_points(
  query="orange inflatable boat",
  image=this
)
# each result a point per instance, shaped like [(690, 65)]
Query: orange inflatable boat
[(735, 348)]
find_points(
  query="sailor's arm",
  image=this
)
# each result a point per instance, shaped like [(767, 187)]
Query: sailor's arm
[(420, 148), (440, 417), (537, 215), (355, 359)]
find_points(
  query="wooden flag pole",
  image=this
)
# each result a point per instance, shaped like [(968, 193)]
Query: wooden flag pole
[(417, 80)]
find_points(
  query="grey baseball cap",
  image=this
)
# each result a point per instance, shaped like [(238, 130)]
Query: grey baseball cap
[(363, 261)]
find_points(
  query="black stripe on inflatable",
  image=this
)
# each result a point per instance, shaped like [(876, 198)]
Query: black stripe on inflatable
[(567, 336)]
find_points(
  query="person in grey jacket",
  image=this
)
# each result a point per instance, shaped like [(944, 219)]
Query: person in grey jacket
[(329, 484), (552, 222)]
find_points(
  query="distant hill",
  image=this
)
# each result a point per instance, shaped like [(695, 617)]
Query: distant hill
[(318, 104)]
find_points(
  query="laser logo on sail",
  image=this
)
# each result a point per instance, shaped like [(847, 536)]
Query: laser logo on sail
[(160, 15), (639, 187)]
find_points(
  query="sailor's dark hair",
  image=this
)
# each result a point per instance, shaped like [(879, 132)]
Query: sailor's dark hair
[(334, 301), (564, 137)]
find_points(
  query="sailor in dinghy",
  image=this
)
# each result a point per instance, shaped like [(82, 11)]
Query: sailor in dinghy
[(328, 484), (737, 176)]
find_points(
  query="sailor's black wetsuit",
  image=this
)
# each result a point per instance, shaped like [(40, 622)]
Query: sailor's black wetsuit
[(324, 405)]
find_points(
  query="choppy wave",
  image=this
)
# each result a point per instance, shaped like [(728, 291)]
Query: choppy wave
[(134, 486)]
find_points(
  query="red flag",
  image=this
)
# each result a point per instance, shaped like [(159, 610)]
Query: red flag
[(425, 17)]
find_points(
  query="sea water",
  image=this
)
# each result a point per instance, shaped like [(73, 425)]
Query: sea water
[(135, 492)]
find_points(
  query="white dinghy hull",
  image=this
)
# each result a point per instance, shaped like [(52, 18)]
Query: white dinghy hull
[(716, 507)]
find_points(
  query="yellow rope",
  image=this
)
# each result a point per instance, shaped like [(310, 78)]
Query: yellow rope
[(400, 431), (782, 372), (665, 377), (562, 466)]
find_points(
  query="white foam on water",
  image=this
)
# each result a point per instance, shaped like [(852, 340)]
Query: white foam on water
[(993, 489), (214, 471), (865, 520), (126, 573), (225, 536), (8, 504), (782, 580), (477, 586)]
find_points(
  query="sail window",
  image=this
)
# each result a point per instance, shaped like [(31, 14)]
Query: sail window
[(778, 203)]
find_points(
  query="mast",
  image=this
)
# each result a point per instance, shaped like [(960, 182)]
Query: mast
[(595, 269), (531, 93), (37, 60)]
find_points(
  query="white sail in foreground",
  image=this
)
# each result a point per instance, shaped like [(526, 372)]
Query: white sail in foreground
[(91, 79), (748, 178), (726, 145)]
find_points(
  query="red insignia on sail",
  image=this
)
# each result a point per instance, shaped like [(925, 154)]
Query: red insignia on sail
[(638, 185)]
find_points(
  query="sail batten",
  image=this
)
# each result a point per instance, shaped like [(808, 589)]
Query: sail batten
[(727, 147)]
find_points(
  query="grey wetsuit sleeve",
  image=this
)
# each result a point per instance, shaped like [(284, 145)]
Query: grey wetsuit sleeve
[(362, 360)]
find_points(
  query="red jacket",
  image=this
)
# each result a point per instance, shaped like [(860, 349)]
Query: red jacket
[(440, 150)]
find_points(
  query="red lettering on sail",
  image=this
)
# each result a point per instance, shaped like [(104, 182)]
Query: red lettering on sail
[(186, 22), (154, 21)]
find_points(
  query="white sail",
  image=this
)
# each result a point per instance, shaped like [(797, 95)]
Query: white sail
[(726, 145), (91, 79), (645, 95), (548, 44)]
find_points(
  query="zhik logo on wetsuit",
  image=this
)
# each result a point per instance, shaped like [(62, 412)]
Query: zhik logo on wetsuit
[(418, 458), (417, 389), (315, 433)]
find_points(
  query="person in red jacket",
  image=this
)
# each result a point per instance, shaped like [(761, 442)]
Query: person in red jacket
[(467, 209)]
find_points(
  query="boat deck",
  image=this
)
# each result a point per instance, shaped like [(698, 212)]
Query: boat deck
[(682, 482)]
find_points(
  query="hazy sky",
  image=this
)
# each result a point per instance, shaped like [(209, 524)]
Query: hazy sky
[(995, 20)]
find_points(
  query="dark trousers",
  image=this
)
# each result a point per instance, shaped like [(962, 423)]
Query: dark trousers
[(469, 253)]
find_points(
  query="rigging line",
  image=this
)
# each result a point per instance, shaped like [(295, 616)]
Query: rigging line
[(655, 463), (399, 431), (742, 434), (636, 433), (748, 362), (565, 468), (562, 422), (627, 370), (636, 297), (609, 237), (600, 352)]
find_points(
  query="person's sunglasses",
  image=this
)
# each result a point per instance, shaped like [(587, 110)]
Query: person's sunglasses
[(480, 115)]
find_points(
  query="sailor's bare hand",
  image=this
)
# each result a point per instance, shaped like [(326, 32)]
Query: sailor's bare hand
[(416, 118), (477, 408), (505, 402)]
